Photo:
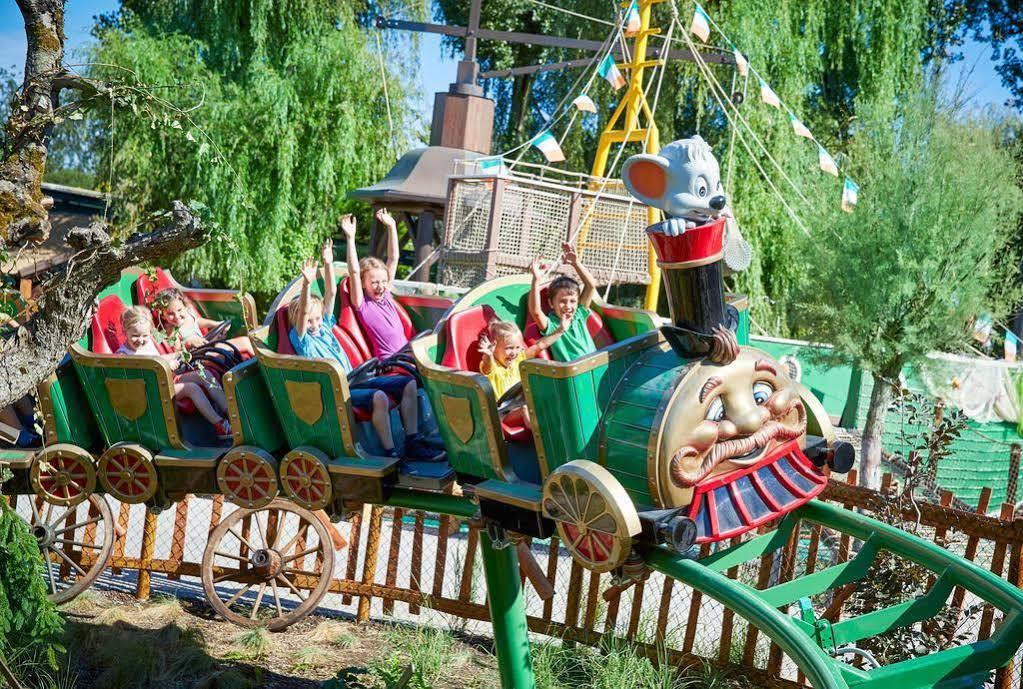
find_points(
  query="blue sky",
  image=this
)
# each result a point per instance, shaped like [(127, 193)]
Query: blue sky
[(983, 85)]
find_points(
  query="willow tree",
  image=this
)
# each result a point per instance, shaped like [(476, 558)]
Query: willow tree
[(823, 57), (294, 114)]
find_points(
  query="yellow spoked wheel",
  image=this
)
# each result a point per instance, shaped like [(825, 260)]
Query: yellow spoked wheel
[(63, 475), (304, 478), (595, 517), (128, 473), (247, 476)]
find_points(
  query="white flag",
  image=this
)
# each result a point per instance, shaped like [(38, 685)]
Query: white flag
[(700, 27), (584, 103), (549, 146)]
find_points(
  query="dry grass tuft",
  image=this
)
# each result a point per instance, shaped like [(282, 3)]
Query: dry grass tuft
[(334, 633)]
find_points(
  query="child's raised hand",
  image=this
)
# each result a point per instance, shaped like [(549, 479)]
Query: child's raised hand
[(537, 268), (327, 252), (566, 323), (309, 270), (348, 225), (486, 347), (569, 255), (385, 218)]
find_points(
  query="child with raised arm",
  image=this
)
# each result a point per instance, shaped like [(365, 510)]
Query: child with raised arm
[(503, 349), (137, 323), (568, 305), (312, 320), (370, 282)]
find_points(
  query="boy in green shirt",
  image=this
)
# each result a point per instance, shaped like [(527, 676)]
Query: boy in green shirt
[(567, 304)]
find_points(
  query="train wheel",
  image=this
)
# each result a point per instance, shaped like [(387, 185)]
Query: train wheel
[(63, 475), (75, 544), (268, 567), (247, 476), (594, 515), (304, 478), (128, 473)]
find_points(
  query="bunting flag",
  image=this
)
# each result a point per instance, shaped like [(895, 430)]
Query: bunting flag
[(632, 21), (584, 103), (768, 95), (828, 163), (1011, 346), (799, 128), (850, 195), (741, 63), (491, 166), (549, 146), (700, 27), (609, 70)]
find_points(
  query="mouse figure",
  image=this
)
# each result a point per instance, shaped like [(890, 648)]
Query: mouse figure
[(683, 180)]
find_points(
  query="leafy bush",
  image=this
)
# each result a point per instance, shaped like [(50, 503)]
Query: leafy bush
[(30, 628)]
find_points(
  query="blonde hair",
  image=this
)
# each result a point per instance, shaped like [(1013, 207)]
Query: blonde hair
[(295, 308), (135, 316), (501, 330), (371, 263)]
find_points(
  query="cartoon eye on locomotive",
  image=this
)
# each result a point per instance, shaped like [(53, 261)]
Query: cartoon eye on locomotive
[(672, 437)]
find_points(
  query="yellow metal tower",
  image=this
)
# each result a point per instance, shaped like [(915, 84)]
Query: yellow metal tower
[(633, 122)]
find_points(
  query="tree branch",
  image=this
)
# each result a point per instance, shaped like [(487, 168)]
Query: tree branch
[(60, 315)]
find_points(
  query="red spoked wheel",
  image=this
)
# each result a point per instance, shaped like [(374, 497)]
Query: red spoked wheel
[(305, 479), (63, 475), (247, 476), (128, 473), (595, 517)]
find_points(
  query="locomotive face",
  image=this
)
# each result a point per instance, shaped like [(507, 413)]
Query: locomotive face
[(725, 417)]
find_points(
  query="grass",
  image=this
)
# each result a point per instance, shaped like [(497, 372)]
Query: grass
[(431, 653), (615, 664), (250, 644), (334, 634), (311, 658)]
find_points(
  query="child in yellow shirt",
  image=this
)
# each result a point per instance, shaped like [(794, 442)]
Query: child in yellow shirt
[(503, 349)]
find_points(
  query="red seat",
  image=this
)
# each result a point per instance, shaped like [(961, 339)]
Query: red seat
[(105, 329), (147, 286), (348, 318), (462, 331), (282, 329)]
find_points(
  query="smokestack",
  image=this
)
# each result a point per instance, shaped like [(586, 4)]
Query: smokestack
[(692, 271)]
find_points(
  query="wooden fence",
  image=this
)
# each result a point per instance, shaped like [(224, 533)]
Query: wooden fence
[(430, 563)]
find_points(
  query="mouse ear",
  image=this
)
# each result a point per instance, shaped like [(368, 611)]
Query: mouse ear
[(646, 178)]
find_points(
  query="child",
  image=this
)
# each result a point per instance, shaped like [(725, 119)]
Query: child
[(503, 350), (370, 283), (311, 321), (567, 306), (137, 323), (186, 327)]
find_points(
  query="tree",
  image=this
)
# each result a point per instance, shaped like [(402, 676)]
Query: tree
[(998, 23), (59, 315), (927, 248), (293, 108), (825, 58)]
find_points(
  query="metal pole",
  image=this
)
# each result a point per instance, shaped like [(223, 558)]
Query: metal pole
[(507, 615)]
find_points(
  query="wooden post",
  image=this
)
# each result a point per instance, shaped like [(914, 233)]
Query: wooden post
[(177, 552), (1012, 484), (355, 537), (494, 227), (417, 559), (424, 246), (391, 580), (369, 566), (146, 556)]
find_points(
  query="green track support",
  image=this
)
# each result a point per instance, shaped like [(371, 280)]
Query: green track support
[(507, 615)]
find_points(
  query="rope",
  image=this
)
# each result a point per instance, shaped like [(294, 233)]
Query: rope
[(742, 138), (387, 99), (570, 12)]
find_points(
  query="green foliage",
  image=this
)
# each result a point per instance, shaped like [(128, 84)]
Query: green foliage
[(927, 248), (616, 664), (30, 628), (289, 116), (825, 58)]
